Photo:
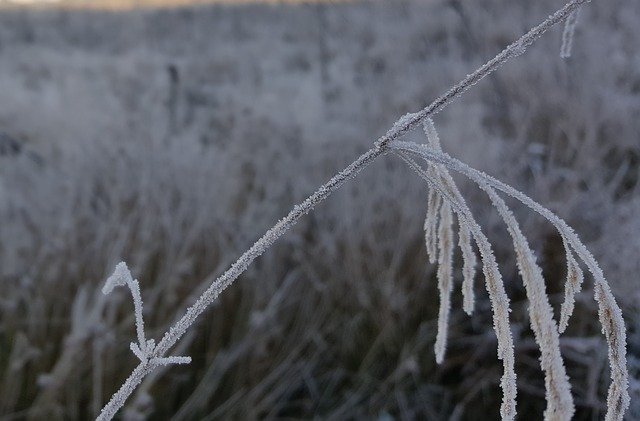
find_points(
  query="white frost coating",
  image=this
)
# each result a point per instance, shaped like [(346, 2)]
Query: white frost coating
[(558, 390), (609, 312), (144, 349), (170, 360), (495, 288), (432, 134), (434, 202), (568, 33), (180, 327), (519, 48), (618, 396), (469, 266), (122, 276), (400, 126), (468, 255), (575, 277), (445, 279)]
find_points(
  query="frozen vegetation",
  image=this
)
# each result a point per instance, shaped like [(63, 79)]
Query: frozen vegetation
[(173, 139)]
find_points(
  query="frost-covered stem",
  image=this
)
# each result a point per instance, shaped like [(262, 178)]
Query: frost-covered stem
[(575, 277), (122, 277), (180, 327), (381, 146), (445, 279), (558, 390), (137, 303), (468, 255), (259, 247), (434, 202), (118, 399), (568, 33)]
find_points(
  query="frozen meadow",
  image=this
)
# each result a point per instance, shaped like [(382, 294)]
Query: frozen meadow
[(173, 139)]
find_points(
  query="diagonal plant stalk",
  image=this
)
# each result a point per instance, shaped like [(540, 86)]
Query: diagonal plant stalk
[(381, 147)]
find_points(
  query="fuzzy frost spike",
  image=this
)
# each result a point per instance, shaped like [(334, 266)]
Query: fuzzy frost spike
[(575, 277), (121, 277), (434, 203), (613, 328), (171, 360), (558, 390), (144, 350), (432, 134), (609, 312), (445, 279), (468, 255), (568, 33), (495, 288), (500, 306), (469, 266)]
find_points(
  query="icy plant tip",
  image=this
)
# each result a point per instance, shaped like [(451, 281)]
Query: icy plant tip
[(144, 349)]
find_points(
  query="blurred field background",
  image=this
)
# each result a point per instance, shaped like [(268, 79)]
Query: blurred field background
[(173, 138), (142, 4)]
